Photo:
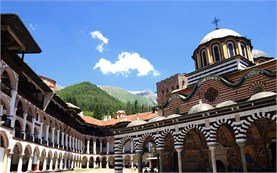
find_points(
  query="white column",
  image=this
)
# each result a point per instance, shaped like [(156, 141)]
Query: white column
[(81, 147), (73, 144), (88, 146), (30, 163), (47, 134), (40, 132), (19, 166), (9, 162), (33, 129), (94, 146), (179, 153), (12, 107), (62, 139), (51, 164), (69, 141), (44, 164), (212, 149), (58, 138), (242, 154), (56, 163), (53, 136), (24, 125), (61, 164), (132, 146), (108, 147), (66, 140)]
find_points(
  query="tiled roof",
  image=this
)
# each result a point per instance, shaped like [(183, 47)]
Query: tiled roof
[(113, 121)]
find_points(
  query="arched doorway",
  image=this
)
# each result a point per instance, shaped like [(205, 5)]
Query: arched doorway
[(228, 151), (220, 166), (84, 162), (260, 148), (17, 150), (17, 129), (127, 161), (104, 162), (111, 161), (91, 162), (35, 165), (26, 157), (149, 153), (195, 153), (97, 162), (169, 157)]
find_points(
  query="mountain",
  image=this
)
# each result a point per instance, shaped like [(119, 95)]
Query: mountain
[(148, 94), (91, 99), (126, 96)]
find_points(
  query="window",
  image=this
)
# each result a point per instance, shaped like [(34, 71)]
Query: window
[(243, 49), (231, 49), (204, 61), (216, 52), (177, 87)]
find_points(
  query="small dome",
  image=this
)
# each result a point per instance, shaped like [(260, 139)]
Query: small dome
[(259, 53), (226, 103), (173, 116), (200, 107), (261, 95), (219, 33), (136, 123), (157, 118)]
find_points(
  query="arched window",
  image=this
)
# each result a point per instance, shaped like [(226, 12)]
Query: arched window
[(216, 52), (231, 50), (243, 49), (204, 61)]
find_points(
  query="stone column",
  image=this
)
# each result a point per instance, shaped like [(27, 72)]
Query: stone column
[(61, 164), (139, 153), (132, 161), (40, 132), (132, 146), (33, 129), (30, 163), (212, 149), (242, 153), (108, 147), (51, 164), (58, 138), (160, 160), (62, 142), (23, 131), (53, 136), (66, 141), (47, 134), (12, 107), (88, 164), (179, 153), (100, 146), (44, 164), (9, 162), (56, 163), (19, 166), (88, 146), (69, 142), (100, 163), (94, 146)]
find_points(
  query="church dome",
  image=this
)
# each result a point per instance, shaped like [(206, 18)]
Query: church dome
[(136, 123), (173, 116), (200, 107), (258, 53), (157, 118), (262, 95), (226, 103), (219, 33)]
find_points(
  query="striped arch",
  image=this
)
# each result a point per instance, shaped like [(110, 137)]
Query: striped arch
[(212, 137), (163, 134), (138, 146), (250, 119), (12, 76), (122, 142), (183, 133)]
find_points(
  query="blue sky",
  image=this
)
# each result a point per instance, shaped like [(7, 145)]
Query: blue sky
[(158, 36)]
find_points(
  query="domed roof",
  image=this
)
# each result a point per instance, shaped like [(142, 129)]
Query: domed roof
[(173, 116), (136, 123), (157, 118), (219, 33), (200, 107), (226, 103), (258, 53), (261, 95)]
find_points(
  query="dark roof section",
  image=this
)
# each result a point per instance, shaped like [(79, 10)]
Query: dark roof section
[(17, 26)]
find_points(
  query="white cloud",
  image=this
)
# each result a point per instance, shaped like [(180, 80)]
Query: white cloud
[(99, 36), (33, 27), (125, 64)]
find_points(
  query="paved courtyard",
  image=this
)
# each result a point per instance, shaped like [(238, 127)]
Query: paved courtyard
[(102, 170)]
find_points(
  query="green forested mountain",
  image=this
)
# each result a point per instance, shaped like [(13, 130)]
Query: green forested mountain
[(126, 96), (96, 102)]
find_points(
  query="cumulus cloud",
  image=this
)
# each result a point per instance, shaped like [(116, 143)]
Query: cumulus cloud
[(99, 36), (125, 64)]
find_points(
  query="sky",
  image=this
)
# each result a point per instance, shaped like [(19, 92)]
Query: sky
[(133, 45)]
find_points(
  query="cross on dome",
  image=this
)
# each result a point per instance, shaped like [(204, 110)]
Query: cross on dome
[(216, 21)]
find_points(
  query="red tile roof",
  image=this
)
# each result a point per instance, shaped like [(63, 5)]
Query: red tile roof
[(113, 121)]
